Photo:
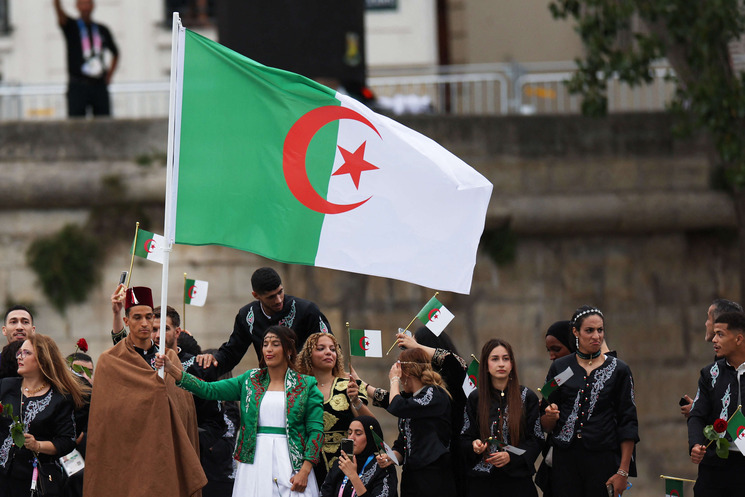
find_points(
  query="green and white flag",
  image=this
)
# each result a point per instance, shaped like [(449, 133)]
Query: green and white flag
[(366, 343), (472, 377), (555, 382), (195, 292), (435, 316), (149, 246), (736, 430), (673, 488), (273, 163)]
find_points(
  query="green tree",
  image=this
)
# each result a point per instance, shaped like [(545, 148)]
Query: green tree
[(695, 38)]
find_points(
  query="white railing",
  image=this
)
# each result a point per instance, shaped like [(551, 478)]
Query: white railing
[(486, 89)]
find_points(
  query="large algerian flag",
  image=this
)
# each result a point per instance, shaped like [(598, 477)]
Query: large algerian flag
[(149, 246), (555, 382), (435, 316), (736, 429), (673, 488), (195, 292), (365, 343), (273, 163), (472, 377)]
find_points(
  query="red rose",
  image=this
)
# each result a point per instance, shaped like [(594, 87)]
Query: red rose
[(83, 345), (720, 425)]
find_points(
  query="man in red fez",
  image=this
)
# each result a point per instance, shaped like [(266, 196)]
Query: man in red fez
[(135, 414)]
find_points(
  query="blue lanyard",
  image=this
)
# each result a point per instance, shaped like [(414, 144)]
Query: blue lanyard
[(346, 478)]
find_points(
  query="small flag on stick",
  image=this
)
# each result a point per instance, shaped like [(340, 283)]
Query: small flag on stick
[(472, 377), (380, 443), (736, 429), (149, 246), (365, 343), (195, 292), (554, 383), (435, 316), (673, 488)]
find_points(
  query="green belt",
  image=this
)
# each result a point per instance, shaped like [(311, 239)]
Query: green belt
[(276, 430)]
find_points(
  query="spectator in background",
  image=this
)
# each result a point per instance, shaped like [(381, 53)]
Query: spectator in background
[(88, 74)]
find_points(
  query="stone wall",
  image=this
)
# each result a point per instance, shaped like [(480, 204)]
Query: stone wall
[(613, 212)]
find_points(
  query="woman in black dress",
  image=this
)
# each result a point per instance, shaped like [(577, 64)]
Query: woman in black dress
[(359, 474), (591, 416), (419, 398), (43, 398)]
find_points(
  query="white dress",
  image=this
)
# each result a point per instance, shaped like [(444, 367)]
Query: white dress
[(270, 473)]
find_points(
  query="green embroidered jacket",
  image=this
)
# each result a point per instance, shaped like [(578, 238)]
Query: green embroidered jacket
[(303, 411)]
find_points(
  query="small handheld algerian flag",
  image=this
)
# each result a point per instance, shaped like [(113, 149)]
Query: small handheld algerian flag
[(556, 382), (149, 246), (383, 447), (435, 316), (736, 429), (195, 292), (511, 448), (366, 343), (472, 377), (673, 488)]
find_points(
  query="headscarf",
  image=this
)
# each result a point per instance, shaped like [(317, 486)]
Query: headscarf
[(370, 448), (562, 330)]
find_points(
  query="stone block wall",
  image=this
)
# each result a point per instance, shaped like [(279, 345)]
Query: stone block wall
[(614, 213)]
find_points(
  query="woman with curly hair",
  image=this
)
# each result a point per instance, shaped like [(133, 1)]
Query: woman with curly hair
[(343, 399), (44, 398), (420, 400)]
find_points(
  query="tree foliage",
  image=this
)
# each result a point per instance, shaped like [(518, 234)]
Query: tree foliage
[(693, 36)]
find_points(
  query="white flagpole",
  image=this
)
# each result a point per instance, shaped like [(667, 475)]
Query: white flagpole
[(174, 135)]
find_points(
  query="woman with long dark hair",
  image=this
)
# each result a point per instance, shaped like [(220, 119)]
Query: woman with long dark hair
[(44, 398), (282, 419), (591, 416), (359, 473), (501, 431), (419, 398)]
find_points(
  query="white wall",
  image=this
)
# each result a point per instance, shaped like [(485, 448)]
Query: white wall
[(404, 37)]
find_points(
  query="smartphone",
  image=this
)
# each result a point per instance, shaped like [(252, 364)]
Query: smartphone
[(123, 277), (347, 445), (611, 490), (405, 332), (682, 402)]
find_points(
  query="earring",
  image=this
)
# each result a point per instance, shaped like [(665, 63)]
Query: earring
[(576, 341)]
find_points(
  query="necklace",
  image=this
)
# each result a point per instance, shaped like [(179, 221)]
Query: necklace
[(589, 357), (28, 392)]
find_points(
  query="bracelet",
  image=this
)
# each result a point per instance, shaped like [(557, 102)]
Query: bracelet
[(396, 378), (623, 473), (358, 406)]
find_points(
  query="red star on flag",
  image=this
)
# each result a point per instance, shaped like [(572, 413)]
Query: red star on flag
[(354, 164)]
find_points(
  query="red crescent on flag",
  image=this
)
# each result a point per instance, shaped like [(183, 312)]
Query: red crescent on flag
[(473, 379), (553, 383), (674, 492), (296, 148), (192, 291), (363, 343), (433, 314), (149, 245), (739, 431)]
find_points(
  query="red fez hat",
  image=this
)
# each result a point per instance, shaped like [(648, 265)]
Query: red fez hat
[(138, 295)]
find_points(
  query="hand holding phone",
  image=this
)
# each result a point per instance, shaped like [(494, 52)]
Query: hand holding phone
[(347, 445)]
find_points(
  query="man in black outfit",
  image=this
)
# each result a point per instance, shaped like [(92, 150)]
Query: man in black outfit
[(88, 75), (271, 307), (719, 395)]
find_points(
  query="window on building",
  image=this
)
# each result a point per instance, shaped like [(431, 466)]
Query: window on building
[(194, 13)]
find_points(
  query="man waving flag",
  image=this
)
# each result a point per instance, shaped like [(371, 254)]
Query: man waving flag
[(276, 164)]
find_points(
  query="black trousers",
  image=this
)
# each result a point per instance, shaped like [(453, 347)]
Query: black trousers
[(434, 480), (578, 472), (727, 480), (82, 96), (502, 485)]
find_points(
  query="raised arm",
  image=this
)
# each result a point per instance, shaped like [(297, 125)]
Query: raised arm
[(61, 15)]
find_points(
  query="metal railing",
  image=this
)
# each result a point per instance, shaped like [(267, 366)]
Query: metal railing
[(493, 89)]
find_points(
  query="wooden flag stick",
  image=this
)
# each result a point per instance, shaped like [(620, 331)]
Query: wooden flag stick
[(132, 259), (349, 344), (475, 359), (677, 479), (407, 327)]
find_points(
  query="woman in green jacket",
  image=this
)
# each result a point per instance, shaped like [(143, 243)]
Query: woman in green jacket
[(281, 419)]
